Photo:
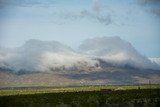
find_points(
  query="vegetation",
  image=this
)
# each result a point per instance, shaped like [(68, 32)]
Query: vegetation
[(88, 96), (37, 90)]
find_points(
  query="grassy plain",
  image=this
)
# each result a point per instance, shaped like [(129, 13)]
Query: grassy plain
[(82, 96), (40, 90)]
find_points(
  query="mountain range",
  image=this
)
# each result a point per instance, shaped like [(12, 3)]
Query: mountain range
[(97, 61)]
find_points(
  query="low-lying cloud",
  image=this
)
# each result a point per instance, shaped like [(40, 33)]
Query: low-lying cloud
[(116, 51), (44, 56)]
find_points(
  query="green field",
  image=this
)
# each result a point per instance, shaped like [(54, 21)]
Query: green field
[(36, 90), (86, 96)]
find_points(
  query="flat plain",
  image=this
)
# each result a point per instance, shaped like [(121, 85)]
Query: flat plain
[(82, 96)]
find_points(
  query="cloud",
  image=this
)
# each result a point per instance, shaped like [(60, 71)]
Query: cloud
[(6, 3), (95, 12), (145, 2), (156, 60), (152, 5), (116, 51), (44, 56), (155, 11)]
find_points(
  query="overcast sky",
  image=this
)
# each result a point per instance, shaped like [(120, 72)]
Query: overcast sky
[(72, 21)]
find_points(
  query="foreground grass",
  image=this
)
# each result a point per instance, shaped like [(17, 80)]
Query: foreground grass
[(27, 91), (119, 98)]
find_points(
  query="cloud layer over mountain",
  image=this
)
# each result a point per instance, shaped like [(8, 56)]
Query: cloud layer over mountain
[(44, 56), (116, 51)]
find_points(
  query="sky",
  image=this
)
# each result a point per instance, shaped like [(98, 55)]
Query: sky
[(72, 21)]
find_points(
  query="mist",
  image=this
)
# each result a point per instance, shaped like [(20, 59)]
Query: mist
[(52, 56)]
